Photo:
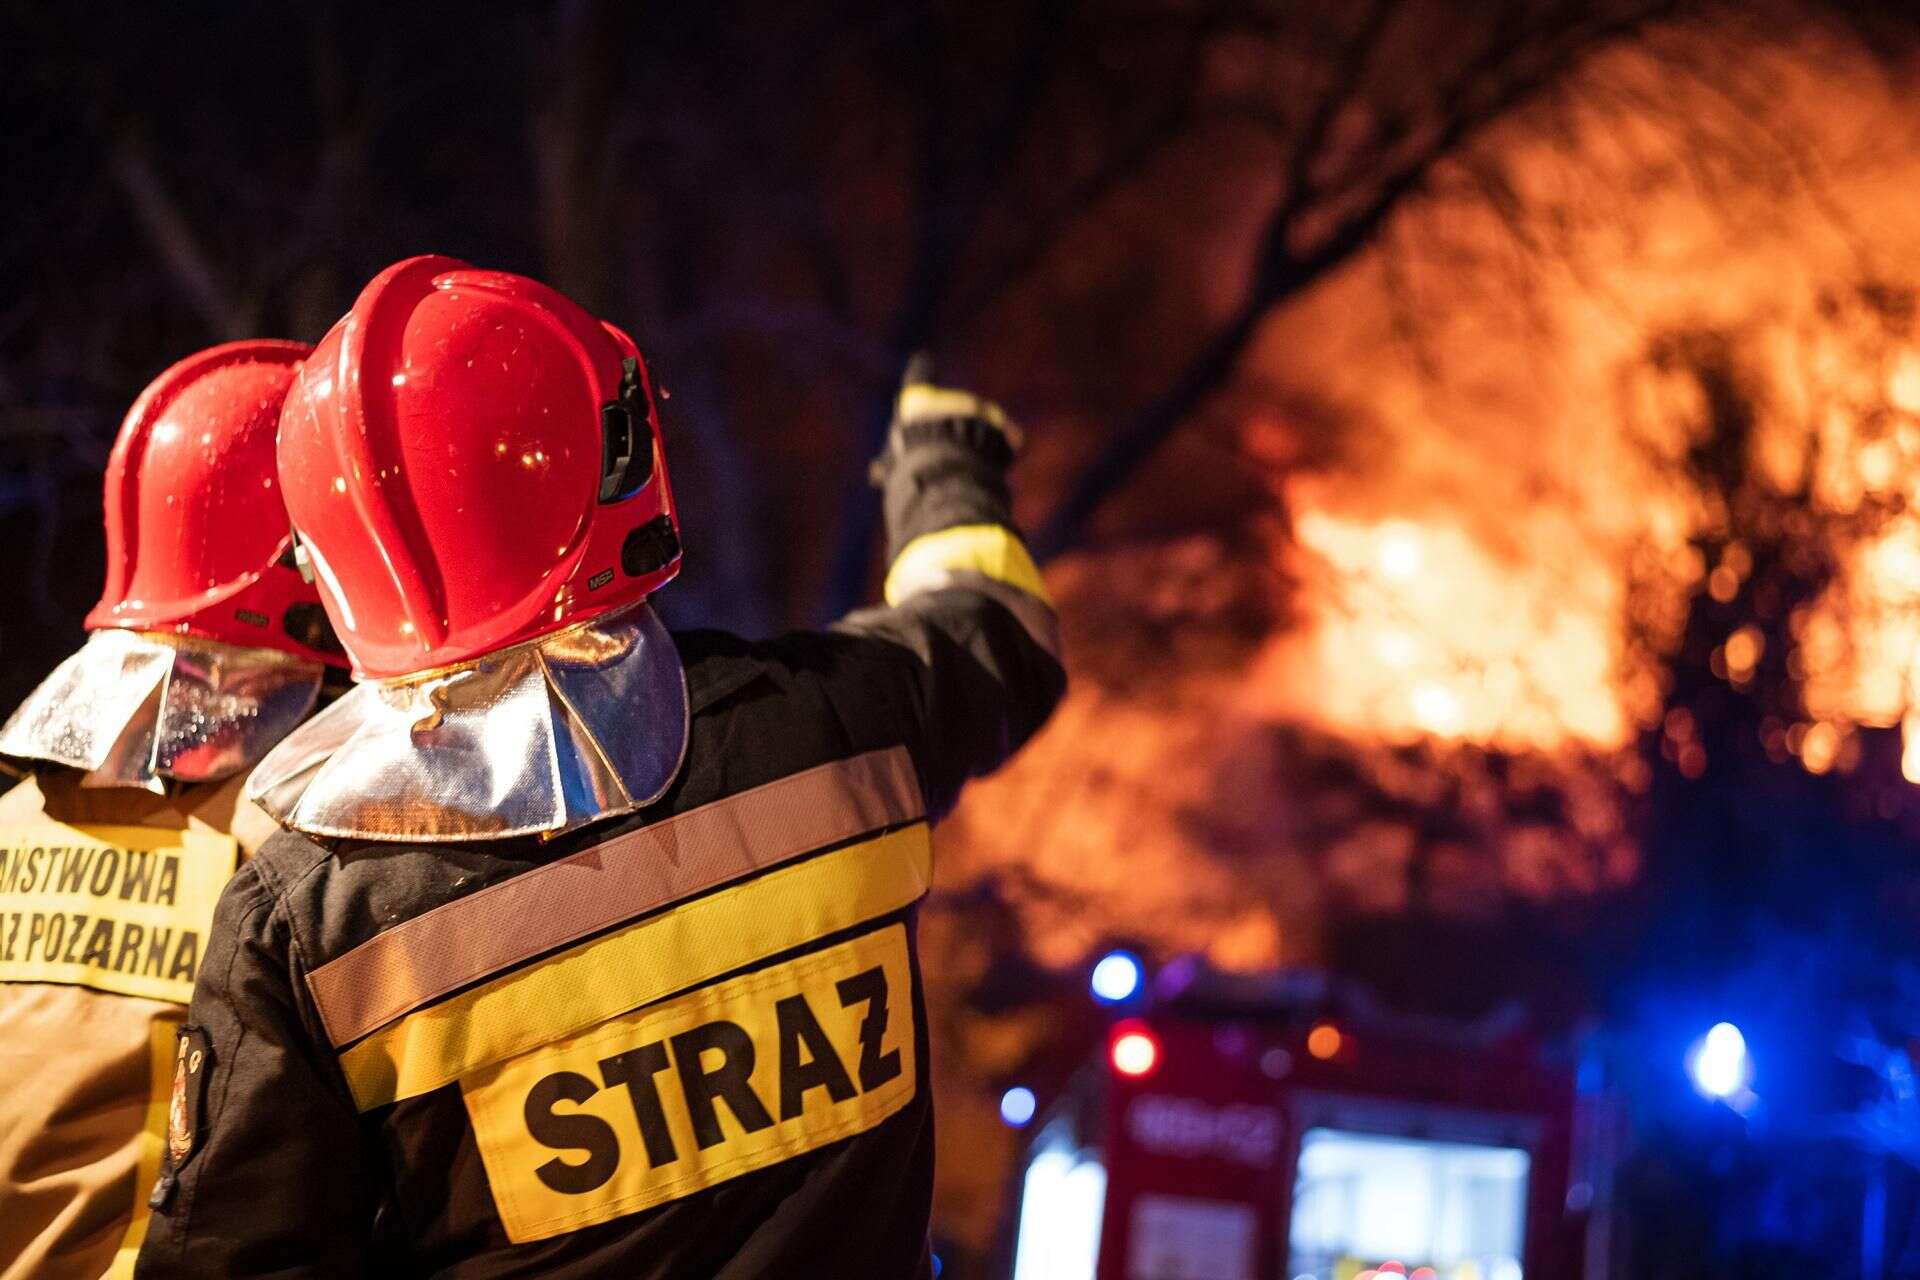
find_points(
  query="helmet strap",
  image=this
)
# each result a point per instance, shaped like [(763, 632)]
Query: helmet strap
[(297, 559)]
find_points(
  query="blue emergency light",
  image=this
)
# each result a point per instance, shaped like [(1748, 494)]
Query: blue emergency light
[(1719, 1063), (1117, 977)]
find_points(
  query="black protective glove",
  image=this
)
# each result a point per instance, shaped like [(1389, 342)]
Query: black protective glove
[(926, 412)]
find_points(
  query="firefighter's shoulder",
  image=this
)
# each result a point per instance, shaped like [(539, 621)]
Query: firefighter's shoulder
[(835, 677), (287, 858)]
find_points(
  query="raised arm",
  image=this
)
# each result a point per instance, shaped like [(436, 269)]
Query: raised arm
[(963, 594)]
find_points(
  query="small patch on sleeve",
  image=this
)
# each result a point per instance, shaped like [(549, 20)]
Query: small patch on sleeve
[(186, 1112)]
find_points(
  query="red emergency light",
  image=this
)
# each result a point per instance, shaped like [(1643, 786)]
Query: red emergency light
[(1134, 1050)]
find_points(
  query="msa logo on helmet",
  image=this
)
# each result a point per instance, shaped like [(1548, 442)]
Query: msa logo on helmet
[(659, 1104)]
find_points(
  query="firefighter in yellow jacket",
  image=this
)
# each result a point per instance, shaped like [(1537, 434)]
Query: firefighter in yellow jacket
[(205, 650), (590, 950)]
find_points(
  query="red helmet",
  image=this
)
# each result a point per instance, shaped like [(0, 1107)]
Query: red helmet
[(472, 461), (197, 537)]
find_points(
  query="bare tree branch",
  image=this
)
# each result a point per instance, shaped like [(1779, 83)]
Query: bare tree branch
[(1282, 271), (951, 194), (570, 150), (192, 267)]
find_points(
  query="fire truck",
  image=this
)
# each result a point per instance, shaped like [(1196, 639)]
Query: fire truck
[(1288, 1128)]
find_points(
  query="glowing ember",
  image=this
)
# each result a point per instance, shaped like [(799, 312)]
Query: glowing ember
[(1903, 385), (1743, 650), (1819, 747), (1436, 709)]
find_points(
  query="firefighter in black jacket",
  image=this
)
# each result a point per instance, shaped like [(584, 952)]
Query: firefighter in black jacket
[(590, 949)]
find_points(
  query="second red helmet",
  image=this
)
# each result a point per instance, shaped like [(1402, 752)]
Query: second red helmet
[(472, 461), (196, 533)]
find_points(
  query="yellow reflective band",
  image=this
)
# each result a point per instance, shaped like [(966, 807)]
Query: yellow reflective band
[(153, 1143), (675, 1098), (634, 966), (991, 550), (610, 884), (119, 909)]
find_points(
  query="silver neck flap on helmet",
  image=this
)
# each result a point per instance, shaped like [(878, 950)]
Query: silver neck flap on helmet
[(583, 724), (131, 708)]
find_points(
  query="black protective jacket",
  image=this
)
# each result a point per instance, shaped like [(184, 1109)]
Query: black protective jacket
[(689, 1042)]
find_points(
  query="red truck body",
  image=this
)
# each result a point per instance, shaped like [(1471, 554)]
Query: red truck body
[(1199, 1146)]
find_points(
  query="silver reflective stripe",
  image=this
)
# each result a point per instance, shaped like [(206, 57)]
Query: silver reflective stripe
[(509, 923)]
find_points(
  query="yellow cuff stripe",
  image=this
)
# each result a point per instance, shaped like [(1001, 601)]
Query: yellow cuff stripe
[(991, 550), (922, 400), (683, 947)]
